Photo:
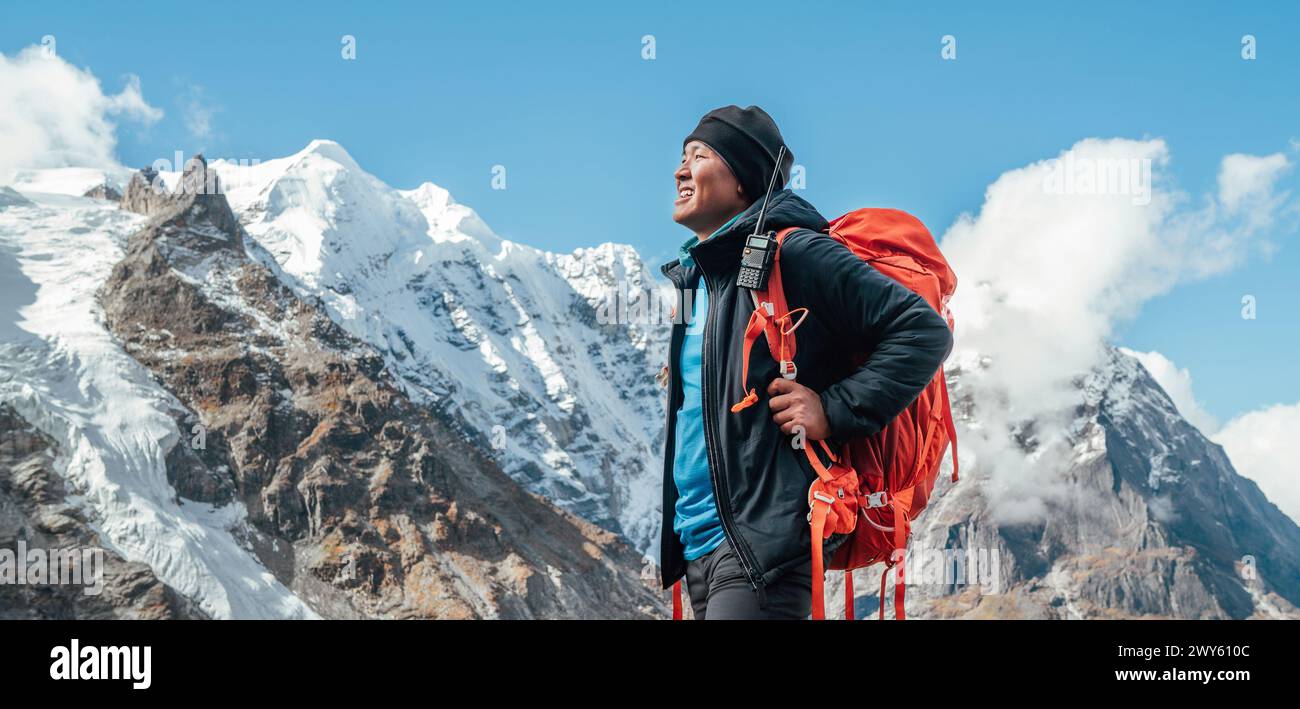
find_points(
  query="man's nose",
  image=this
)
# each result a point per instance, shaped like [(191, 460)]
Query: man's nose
[(681, 173)]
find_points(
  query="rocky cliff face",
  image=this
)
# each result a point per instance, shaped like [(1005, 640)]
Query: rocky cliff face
[(35, 510), (105, 192), (363, 504), (534, 351)]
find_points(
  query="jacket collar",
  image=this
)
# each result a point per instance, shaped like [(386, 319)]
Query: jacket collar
[(684, 251), (786, 209)]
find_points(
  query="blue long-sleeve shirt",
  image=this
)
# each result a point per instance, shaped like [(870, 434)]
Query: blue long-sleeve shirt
[(696, 519)]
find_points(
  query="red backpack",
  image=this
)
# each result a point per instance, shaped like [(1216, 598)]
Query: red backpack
[(875, 487)]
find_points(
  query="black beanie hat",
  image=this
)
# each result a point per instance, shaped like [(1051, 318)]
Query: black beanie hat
[(748, 140)]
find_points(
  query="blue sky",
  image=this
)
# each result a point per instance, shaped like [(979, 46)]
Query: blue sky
[(590, 132)]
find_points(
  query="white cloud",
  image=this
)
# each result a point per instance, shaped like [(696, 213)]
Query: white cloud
[(1177, 383), (198, 111), (1246, 179), (1264, 447), (1042, 275), (57, 115), (1048, 267)]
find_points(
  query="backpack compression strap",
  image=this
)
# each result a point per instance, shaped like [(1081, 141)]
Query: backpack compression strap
[(948, 422), (828, 516), (848, 594), (900, 552)]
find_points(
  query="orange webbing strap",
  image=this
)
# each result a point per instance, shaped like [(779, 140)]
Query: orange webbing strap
[(848, 594), (786, 342), (784, 348), (821, 505), (883, 575), (818, 466), (898, 502), (948, 422), (900, 548), (759, 320), (677, 599), (819, 510)]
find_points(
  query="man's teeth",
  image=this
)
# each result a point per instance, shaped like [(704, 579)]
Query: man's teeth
[(687, 192)]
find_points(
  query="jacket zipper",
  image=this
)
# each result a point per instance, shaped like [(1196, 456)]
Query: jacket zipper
[(723, 502)]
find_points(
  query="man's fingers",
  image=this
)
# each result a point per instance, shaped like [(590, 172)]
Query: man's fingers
[(780, 403), (784, 416), (781, 385), (789, 427)]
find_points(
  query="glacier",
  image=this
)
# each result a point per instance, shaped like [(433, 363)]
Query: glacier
[(63, 371)]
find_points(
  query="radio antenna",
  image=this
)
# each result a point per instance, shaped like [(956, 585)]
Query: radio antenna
[(762, 212)]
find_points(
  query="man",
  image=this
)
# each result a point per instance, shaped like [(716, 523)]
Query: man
[(735, 489)]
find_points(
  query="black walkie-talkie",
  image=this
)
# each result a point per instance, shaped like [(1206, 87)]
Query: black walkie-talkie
[(756, 261), (760, 248)]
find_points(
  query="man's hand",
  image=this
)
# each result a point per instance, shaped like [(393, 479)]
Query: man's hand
[(795, 405)]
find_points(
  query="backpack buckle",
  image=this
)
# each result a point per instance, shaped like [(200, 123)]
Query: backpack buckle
[(877, 499), (788, 369)]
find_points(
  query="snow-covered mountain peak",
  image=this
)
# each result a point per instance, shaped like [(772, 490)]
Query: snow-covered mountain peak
[(508, 336), (1125, 389), (449, 221), (429, 196), (328, 150), (319, 215)]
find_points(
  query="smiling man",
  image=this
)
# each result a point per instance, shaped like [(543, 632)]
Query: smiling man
[(735, 489)]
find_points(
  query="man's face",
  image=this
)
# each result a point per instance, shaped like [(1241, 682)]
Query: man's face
[(707, 193)]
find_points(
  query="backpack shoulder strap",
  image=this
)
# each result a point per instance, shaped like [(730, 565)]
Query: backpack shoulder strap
[(771, 319), (775, 293)]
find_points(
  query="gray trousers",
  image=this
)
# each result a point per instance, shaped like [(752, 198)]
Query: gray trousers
[(719, 590)]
